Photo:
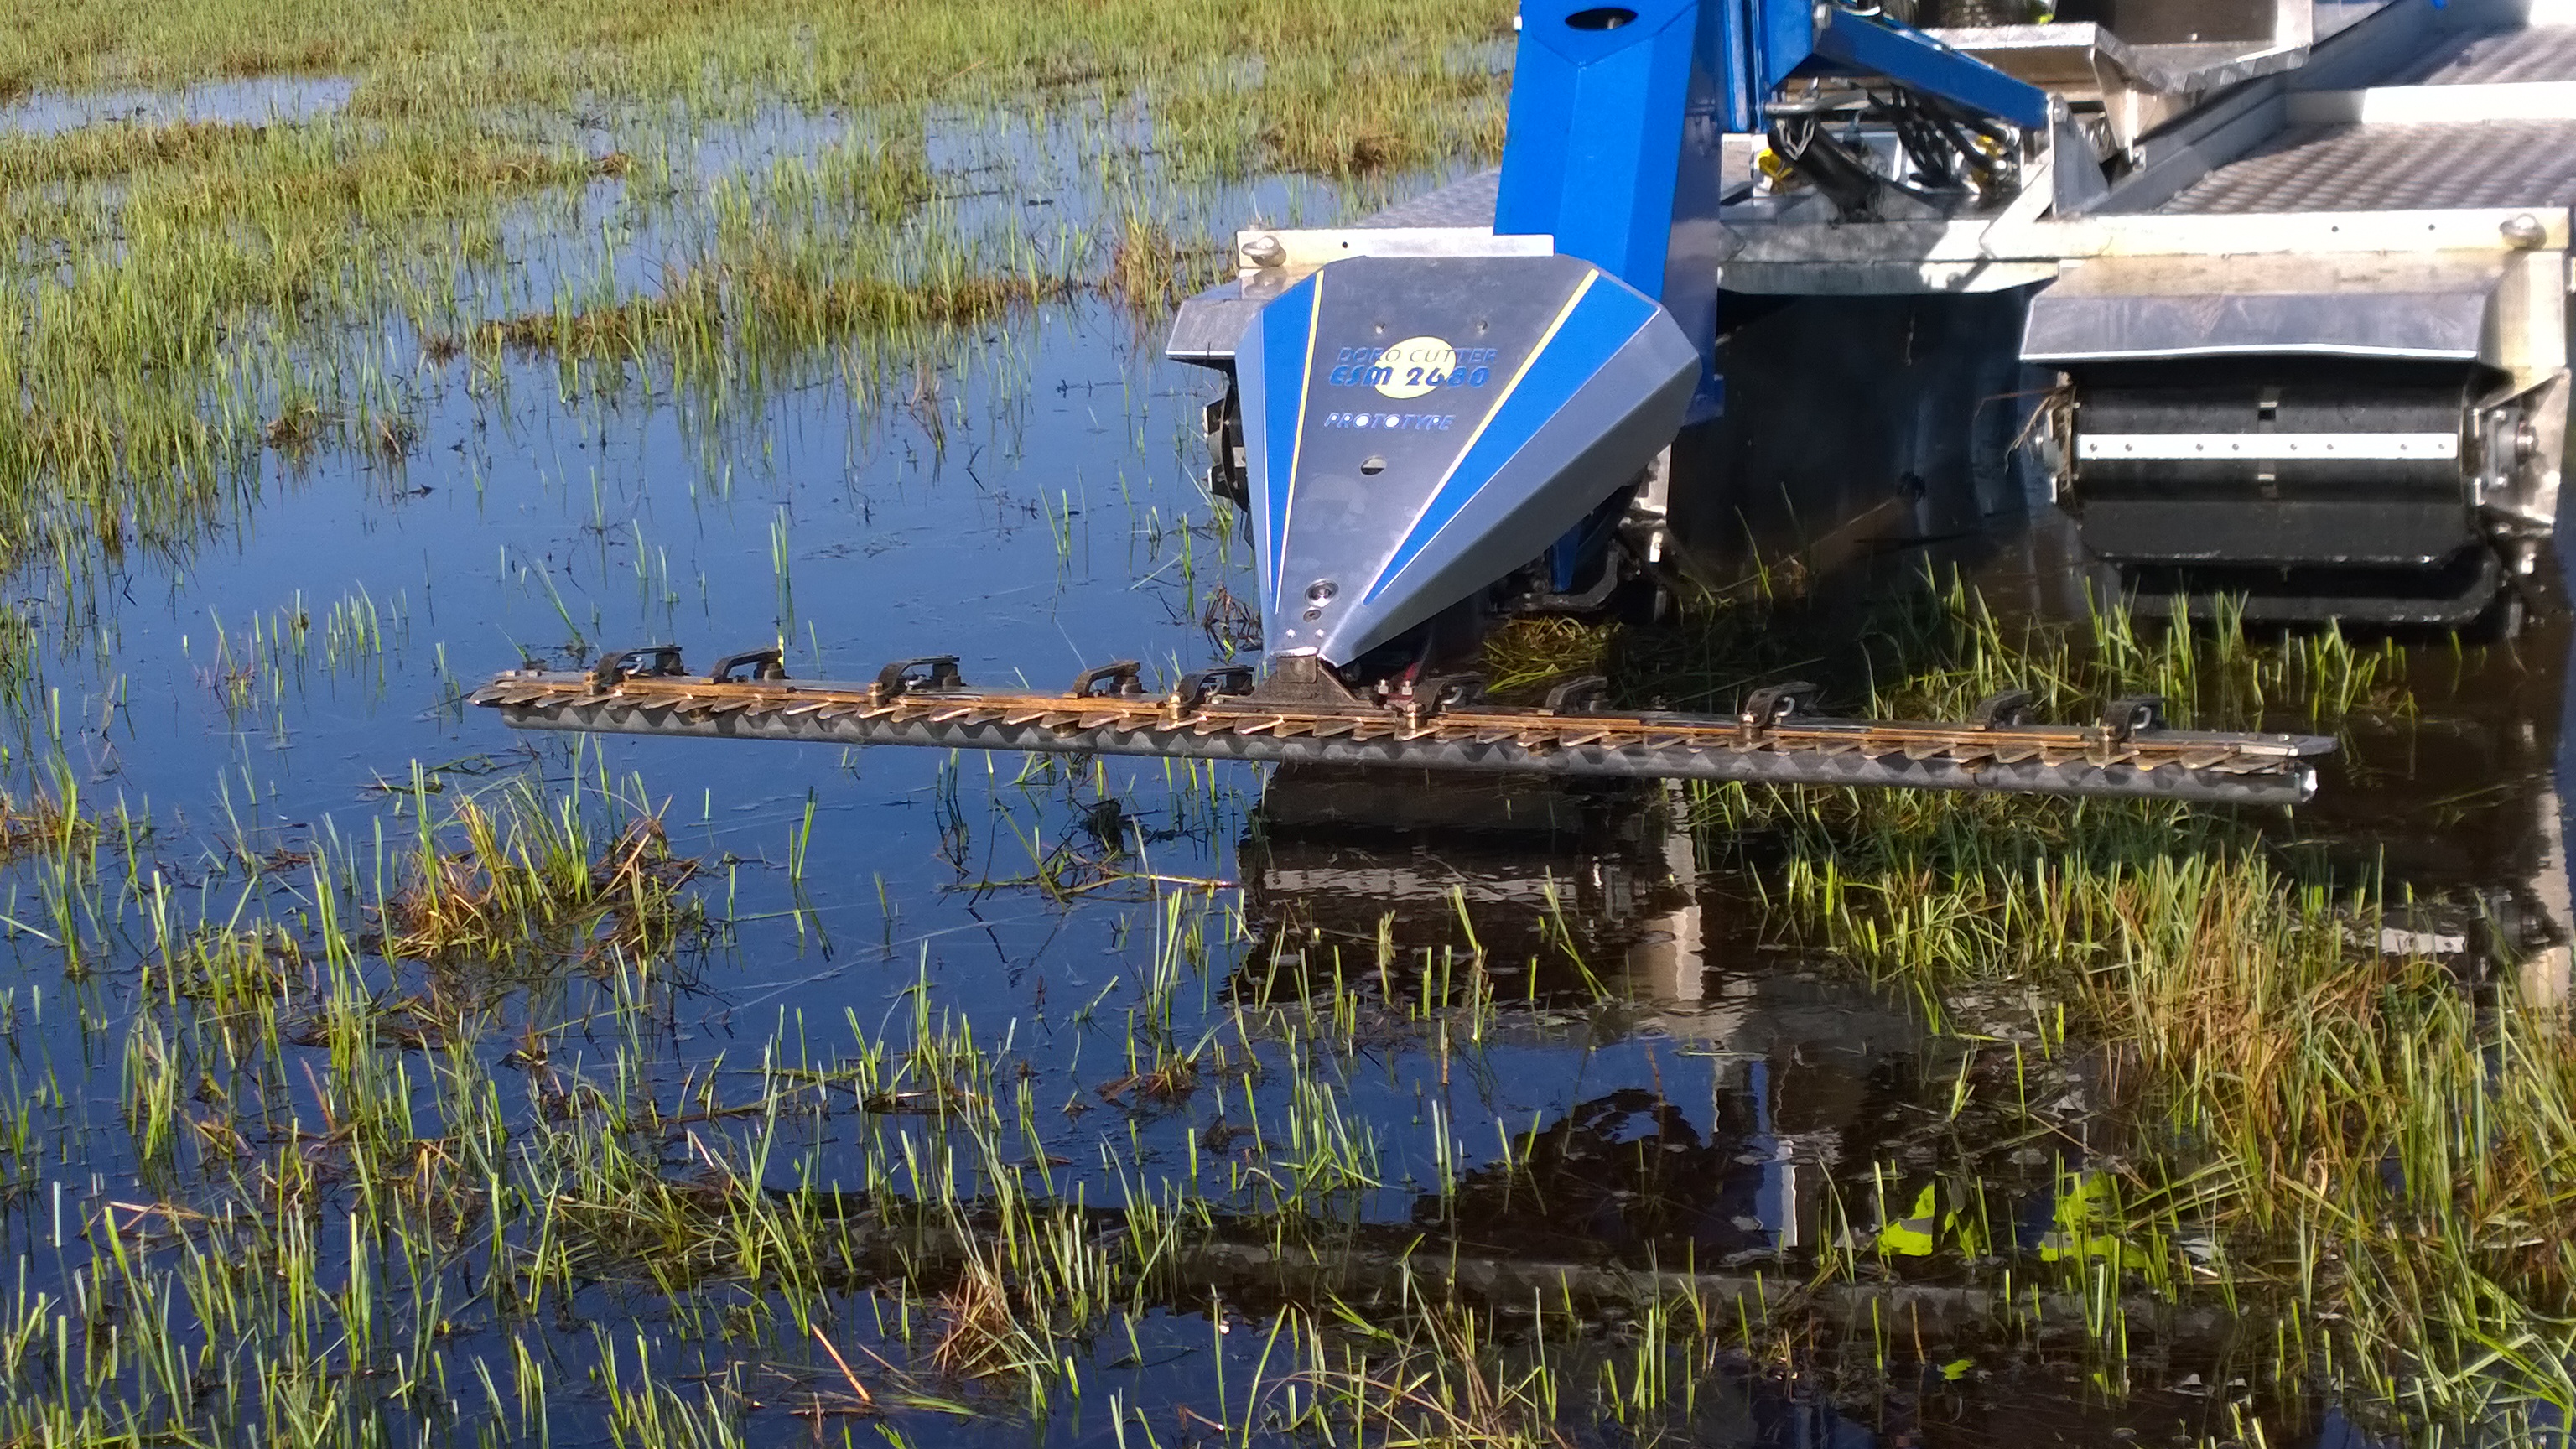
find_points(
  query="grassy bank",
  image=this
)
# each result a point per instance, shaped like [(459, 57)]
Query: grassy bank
[(1303, 86)]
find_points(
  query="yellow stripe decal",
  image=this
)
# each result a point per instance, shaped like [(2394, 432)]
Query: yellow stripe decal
[(1305, 394)]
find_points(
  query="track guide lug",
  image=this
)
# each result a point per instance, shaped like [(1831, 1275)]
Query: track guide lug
[(1580, 695), (1775, 704), (2129, 716)]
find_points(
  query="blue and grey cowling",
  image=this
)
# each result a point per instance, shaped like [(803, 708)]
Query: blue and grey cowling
[(1416, 429)]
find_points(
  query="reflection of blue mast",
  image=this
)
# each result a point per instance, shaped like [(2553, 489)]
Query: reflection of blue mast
[(1776, 1198)]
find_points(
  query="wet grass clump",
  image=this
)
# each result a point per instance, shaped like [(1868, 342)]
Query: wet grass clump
[(48, 821), (527, 876), (186, 297), (1151, 270), (770, 298), (2357, 1136), (105, 152)]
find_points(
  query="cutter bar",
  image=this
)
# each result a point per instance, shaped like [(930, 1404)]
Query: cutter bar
[(2079, 760)]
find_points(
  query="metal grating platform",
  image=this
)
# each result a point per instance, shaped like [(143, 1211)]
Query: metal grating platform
[(2418, 166), (2546, 53), (1470, 201), (1460, 203)]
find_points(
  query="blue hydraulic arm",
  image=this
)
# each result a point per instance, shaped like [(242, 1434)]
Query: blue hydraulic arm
[(1849, 43), (1618, 114)]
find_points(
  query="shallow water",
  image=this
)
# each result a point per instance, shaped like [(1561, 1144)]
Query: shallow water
[(1678, 1091), (254, 101)]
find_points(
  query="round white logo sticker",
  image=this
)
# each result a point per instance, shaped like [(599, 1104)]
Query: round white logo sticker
[(1417, 365)]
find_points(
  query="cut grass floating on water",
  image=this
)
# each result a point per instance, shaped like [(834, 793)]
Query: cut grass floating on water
[(49, 820)]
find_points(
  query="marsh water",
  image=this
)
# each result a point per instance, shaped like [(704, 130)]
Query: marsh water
[(1646, 1074)]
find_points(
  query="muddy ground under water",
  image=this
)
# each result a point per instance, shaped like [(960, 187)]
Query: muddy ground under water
[(375, 1075)]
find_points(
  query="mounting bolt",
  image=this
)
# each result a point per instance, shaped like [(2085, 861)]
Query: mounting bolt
[(2523, 231), (1264, 250), (1321, 591)]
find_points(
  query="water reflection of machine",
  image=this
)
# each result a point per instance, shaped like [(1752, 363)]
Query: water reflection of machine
[(1562, 895), (2455, 806), (1551, 878)]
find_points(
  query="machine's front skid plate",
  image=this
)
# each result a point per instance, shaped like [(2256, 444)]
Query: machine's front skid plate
[(2097, 760)]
